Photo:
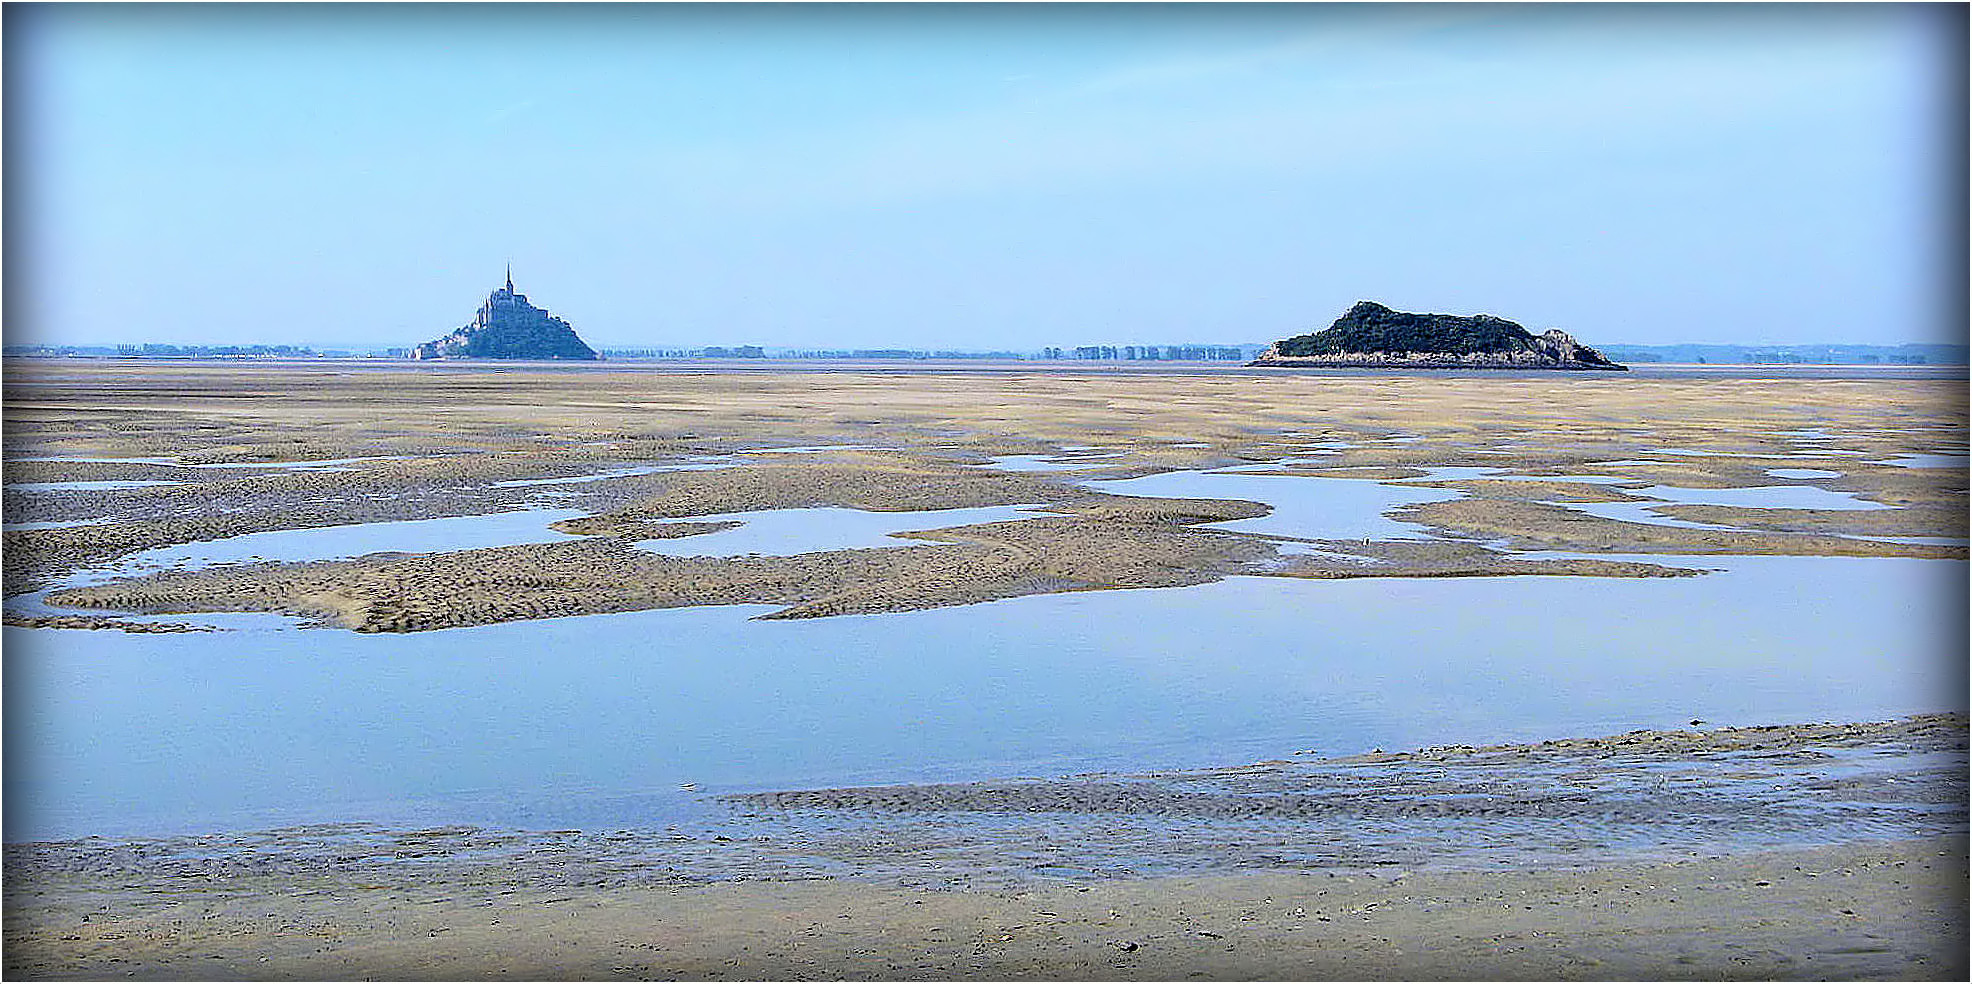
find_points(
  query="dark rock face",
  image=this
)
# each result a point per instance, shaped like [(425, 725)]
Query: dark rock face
[(1371, 335), (507, 327)]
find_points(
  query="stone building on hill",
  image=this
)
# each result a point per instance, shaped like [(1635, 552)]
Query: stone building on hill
[(508, 327)]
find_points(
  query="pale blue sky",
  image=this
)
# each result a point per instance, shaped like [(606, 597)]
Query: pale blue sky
[(1012, 177)]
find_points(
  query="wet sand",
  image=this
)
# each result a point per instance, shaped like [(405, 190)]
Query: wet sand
[(426, 444), (1873, 912), (1730, 873), (1820, 851)]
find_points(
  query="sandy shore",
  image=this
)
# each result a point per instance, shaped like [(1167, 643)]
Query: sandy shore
[(1801, 851), (1879, 911)]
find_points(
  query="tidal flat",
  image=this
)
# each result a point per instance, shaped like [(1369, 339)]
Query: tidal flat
[(621, 604)]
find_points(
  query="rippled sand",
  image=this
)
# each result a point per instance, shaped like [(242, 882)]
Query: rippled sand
[(1804, 851), (414, 444)]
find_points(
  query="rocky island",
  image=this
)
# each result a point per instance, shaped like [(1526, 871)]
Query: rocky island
[(508, 327), (1370, 335)]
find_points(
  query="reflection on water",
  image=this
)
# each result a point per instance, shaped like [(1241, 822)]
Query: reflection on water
[(595, 721)]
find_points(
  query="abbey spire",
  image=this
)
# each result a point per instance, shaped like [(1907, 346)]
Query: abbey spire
[(508, 327)]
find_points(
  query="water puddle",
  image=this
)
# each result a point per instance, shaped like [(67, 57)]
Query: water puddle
[(813, 449), (1049, 463), (1581, 479), (55, 526), (91, 486), (1459, 473), (1927, 461), (353, 540), (1699, 453), (1803, 473), (320, 464), (1304, 507), (787, 532), (705, 465), (1637, 512), (1764, 497), (1308, 459), (104, 461)]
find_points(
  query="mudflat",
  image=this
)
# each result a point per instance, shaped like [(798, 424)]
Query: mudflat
[(1868, 912), (1822, 850), (1642, 856), (643, 453)]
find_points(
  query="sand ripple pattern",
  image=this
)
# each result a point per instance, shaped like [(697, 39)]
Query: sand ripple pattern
[(1648, 794), (1642, 796)]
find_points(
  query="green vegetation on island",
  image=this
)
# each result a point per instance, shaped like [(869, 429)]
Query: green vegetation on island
[(1371, 335)]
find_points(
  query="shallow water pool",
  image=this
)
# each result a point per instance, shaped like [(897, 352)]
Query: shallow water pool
[(594, 722), (354, 540), (1305, 507)]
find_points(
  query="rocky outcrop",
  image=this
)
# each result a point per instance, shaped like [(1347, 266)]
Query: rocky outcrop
[(507, 327), (1370, 335)]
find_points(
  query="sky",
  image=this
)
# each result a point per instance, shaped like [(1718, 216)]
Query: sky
[(963, 177)]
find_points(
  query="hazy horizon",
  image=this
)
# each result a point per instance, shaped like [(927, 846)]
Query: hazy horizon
[(956, 177)]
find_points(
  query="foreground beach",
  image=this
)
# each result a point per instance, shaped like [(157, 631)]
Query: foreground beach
[(1644, 856), (1878, 911)]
